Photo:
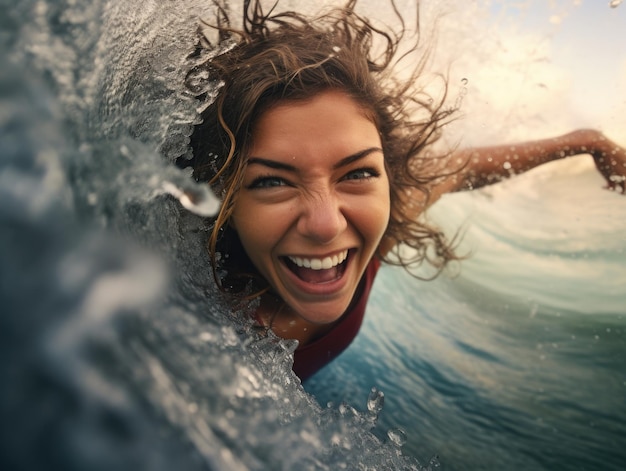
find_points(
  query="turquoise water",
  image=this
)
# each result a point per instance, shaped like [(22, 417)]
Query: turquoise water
[(519, 360)]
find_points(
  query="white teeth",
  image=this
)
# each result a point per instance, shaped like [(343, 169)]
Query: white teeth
[(320, 263)]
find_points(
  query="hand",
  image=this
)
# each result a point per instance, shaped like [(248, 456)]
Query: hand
[(610, 160)]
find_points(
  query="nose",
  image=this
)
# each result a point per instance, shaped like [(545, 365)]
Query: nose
[(321, 219)]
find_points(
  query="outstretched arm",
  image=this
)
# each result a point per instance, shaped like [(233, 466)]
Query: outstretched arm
[(477, 167), (487, 165)]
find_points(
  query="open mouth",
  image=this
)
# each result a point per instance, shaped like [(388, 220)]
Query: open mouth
[(318, 270)]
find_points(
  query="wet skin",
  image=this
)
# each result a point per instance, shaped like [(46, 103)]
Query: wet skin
[(315, 195)]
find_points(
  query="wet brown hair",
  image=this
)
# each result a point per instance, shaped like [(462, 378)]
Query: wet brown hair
[(275, 57)]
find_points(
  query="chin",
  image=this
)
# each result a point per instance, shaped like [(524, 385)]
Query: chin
[(324, 314)]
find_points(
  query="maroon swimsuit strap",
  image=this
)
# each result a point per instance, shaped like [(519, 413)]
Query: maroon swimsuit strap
[(315, 355)]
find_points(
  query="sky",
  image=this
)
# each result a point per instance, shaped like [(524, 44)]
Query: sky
[(588, 40), (543, 65), (522, 68)]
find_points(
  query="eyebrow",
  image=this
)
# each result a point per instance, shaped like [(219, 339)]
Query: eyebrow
[(290, 168)]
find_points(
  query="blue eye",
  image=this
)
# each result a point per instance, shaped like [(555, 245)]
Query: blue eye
[(267, 182), (362, 174)]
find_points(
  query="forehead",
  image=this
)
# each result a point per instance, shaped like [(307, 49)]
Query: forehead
[(330, 121)]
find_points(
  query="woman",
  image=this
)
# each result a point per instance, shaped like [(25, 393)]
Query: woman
[(324, 163)]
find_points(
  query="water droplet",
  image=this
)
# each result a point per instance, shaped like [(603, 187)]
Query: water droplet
[(506, 165), (375, 401), (200, 200), (347, 411), (289, 345), (433, 463), (198, 81), (397, 436), (464, 81), (615, 3)]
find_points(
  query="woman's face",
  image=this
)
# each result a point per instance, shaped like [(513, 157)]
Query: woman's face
[(314, 203)]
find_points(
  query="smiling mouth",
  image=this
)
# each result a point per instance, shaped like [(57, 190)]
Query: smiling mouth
[(318, 270)]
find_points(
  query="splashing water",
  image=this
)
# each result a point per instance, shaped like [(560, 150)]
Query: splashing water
[(200, 202), (118, 351)]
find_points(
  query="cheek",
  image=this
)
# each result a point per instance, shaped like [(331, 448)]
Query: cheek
[(380, 221), (248, 230), (257, 235), (382, 208), (371, 217), (254, 246)]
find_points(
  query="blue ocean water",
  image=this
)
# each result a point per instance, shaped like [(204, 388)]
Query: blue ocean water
[(117, 351), (517, 359)]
